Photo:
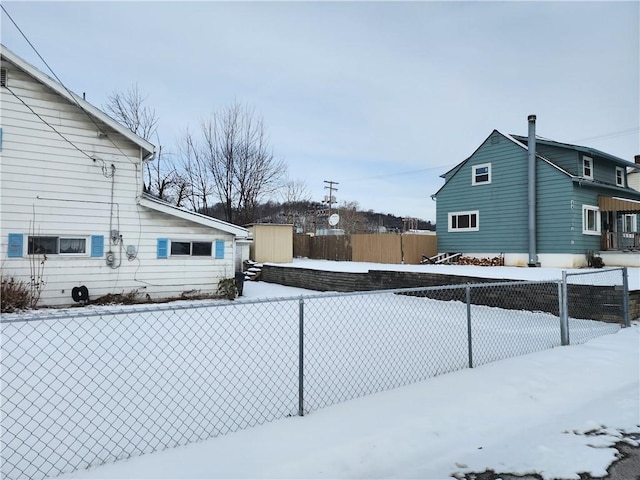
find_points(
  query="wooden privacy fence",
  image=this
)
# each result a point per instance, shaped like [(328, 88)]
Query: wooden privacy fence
[(375, 248)]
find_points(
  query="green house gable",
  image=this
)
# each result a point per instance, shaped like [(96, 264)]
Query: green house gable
[(499, 204)]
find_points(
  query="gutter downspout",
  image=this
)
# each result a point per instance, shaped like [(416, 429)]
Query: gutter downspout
[(531, 146)]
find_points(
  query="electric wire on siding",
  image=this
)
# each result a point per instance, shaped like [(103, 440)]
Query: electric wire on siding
[(63, 86), (105, 172)]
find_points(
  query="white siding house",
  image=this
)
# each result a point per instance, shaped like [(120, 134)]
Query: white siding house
[(73, 212)]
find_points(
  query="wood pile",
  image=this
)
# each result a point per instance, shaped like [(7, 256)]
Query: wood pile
[(252, 270), (482, 262)]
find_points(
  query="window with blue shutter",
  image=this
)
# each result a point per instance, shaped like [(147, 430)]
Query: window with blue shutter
[(163, 248), (219, 249), (97, 245), (14, 247)]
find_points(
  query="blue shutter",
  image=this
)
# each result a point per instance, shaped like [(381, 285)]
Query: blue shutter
[(97, 245), (219, 248), (0, 139), (14, 247), (163, 248)]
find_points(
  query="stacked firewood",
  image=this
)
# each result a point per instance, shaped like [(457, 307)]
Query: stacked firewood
[(251, 270), (482, 262)]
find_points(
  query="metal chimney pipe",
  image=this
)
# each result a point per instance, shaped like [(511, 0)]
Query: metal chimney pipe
[(531, 146)]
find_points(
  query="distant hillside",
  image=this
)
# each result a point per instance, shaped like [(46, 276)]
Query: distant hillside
[(309, 216)]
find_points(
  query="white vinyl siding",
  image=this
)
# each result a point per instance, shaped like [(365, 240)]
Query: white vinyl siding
[(51, 189)]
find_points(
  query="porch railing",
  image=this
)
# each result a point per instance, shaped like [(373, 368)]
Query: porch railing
[(621, 241)]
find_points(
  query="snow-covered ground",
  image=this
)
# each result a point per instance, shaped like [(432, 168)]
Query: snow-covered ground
[(555, 413)]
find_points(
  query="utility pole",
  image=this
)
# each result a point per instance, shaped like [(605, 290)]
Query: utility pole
[(330, 200)]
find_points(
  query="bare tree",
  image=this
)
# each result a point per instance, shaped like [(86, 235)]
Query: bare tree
[(196, 179), (351, 219), (241, 167), (295, 196), (130, 109)]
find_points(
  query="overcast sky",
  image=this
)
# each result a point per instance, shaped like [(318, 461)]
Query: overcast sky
[(382, 97)]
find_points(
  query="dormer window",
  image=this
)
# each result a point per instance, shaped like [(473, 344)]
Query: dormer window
[(481, 174), (587, 167), (620, 174)]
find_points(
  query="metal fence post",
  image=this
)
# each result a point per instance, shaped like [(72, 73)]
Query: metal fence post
[(564, 310), (301, 357), (469, 341), (625, 298)]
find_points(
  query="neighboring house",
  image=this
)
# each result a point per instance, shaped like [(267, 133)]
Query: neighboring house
[(633, 175), (581, 203), (73, 210)]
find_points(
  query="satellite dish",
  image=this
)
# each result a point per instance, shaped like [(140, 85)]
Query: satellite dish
[(334, 219)]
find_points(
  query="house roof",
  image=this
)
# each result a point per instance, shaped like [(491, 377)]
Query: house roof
[(512, 138), (61, 90), (164, 207), (578, 148)]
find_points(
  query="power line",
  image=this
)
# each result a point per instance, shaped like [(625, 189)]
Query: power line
[(407, 172), (104, 166), (48, 124), (618, 133), (73, 97)]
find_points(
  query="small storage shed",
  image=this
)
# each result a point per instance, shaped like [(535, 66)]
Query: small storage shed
[(271, 242)]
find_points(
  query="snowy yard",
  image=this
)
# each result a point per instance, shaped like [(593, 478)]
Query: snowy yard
[(129, 385), (531, 414)]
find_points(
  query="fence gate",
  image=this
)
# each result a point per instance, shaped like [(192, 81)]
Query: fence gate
[(600, 296)]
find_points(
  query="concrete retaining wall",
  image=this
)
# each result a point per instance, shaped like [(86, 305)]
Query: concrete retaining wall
[(585, 301)]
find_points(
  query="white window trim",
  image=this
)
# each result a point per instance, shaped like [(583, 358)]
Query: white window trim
[(87, 245), (190, 254), (591, 208), (473, 174), (459, 214), (622, 172), (590, 160), (634, 223)]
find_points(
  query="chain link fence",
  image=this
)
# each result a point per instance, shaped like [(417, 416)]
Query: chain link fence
[(87, 387)]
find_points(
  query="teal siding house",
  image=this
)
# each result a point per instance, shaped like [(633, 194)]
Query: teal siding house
[(550, 209)]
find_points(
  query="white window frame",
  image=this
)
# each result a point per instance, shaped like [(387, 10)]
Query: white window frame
[(474, 174), (587, 209), (86, 239), (587, 164), (629, 223), (620, 176), (79, 254), (190, 254), (450, 227)]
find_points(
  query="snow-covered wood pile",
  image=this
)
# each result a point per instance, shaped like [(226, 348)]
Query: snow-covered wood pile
[(252, 270)]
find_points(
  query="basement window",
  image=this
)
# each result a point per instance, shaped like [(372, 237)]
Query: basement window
[(193, 249), (481, 174), (464, 221)]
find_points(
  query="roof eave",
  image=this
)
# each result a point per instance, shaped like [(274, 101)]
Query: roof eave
[(43, 78), (184, 214)]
